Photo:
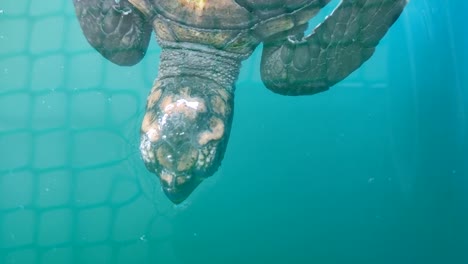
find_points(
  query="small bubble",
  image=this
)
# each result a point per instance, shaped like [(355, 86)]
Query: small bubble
[(454, 171), (195, 234), (1, 11), (371, 180), (109, 99), (46, 189), (143, 238)]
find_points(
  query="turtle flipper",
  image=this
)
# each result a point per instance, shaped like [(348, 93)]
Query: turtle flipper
[(114, 28), (338, 46)]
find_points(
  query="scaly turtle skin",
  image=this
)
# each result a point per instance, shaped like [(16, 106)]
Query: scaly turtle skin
[(189, 109)]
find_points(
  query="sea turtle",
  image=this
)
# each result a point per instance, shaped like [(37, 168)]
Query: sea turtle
[(189, 110)]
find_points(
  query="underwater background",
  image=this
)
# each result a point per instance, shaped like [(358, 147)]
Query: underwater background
[(375, 170)]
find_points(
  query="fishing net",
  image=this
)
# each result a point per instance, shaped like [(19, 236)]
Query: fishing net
[(69, 191)]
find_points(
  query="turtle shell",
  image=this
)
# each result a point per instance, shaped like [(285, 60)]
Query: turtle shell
[(231, 25)]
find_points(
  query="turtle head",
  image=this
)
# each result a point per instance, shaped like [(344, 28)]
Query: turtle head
[(184, 132)]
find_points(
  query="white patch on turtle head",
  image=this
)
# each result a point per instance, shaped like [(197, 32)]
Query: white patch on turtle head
[(197, 5)]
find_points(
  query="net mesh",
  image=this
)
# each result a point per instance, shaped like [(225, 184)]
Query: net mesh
[(68, 186), (72, 185)]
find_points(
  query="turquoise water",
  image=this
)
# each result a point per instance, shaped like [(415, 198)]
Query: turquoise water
[(373, 171)]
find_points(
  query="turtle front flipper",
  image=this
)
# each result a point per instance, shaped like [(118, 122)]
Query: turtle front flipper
[(115, 28), (338, 46)]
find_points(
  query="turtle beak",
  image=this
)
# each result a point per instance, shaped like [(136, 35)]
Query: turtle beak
[(177, 187)]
